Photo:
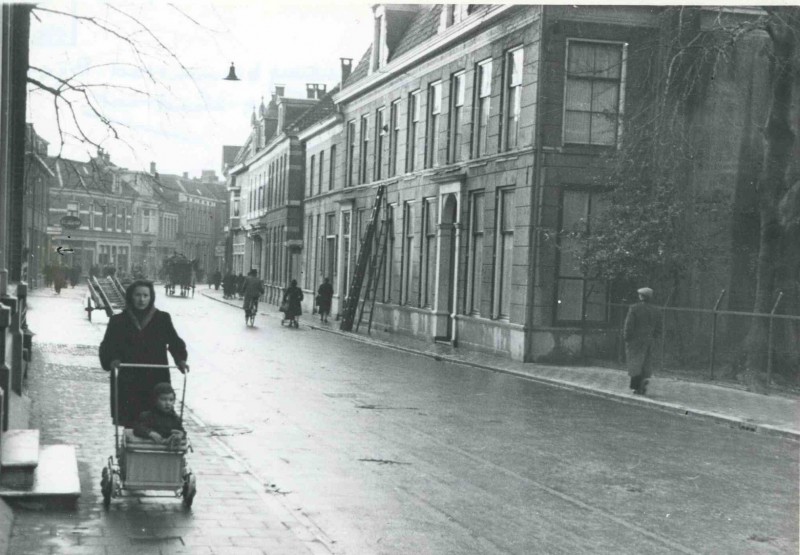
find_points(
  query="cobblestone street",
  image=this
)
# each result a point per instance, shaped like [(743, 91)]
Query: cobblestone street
[(232, 513)]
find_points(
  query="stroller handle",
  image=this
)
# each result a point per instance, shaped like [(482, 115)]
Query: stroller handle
[(132, 365)]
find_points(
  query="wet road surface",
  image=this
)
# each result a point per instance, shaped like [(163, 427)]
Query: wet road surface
[(390, 453)]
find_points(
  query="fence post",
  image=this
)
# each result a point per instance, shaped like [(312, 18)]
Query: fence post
[(664, 326), (769, 337), (714, 333)]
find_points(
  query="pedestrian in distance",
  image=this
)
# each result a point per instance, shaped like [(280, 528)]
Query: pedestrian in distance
[(324, 299), (291, 307), (141, 334), (59, 280), (642, 328), (217, 278), (240, 285), (161, 424)]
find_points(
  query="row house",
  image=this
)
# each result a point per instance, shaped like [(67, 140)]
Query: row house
[(489, 126), (35, 241), (133, 220), (441, 110), (94, 193), (266, 187), (195, 225)]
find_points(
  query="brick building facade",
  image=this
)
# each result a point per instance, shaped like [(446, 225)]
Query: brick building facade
[(490, 126)]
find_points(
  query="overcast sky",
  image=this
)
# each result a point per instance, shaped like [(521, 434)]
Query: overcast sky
[(182, 122)]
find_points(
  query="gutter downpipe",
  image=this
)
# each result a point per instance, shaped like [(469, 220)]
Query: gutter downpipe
[(536, 194)]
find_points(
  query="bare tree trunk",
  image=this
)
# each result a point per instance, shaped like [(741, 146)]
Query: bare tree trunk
[(778, 138)]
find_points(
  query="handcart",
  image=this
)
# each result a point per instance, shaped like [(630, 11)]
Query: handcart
[(142, 465)]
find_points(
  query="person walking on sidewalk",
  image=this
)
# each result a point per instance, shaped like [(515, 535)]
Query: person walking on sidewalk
[(141, 334), (292, 297), (324, 298), (642, 327)]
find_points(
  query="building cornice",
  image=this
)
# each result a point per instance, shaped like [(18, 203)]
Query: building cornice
[(320, 126), (422, 51)]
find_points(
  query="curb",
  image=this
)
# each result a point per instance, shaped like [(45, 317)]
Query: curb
[(674, 408)]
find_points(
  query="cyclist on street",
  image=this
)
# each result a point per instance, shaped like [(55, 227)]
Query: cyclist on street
[(252, 289)]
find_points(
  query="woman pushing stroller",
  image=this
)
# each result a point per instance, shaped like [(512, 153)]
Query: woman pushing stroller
[(291, 307), (141, 334)]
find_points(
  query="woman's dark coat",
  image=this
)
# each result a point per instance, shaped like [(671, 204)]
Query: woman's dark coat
[(293, 296), (125, 342), (324, 297)]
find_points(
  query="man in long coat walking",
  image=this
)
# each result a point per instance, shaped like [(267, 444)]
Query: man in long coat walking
[(642, 328)]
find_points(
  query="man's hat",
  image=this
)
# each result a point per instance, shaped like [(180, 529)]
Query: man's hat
[(645, 292)]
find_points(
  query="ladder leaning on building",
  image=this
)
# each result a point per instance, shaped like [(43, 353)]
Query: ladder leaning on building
[(369, 265)]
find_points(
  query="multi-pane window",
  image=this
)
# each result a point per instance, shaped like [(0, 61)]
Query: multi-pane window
[(307, 274), (145, 220), (579, 298), (483, 86), (504, 260), (434, 116), (394, 136), (351, 152), (592, 100), (388, 264), (332, 172), (407, 265), (311, 166), (513, 97), (427, 272), (321, 170), (412, 131), (91, 215), (125, 224), (362, 154), (457, 92), (72, 209), (380, 133), (346, 251), (330, 247), (476, 224)]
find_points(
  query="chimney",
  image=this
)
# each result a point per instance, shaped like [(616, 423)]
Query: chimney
[(347, 67), (152, 168), (186, 175), (311, 90), (321, 89), (279, 90)]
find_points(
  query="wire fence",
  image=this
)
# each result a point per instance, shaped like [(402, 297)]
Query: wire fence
[(712, 343)]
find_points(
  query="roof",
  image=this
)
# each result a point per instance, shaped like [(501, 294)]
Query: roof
[(422, 27), (361, 70), (322, 109), (229, 154)]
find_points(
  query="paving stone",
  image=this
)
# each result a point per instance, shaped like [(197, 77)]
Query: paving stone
[(70, 406)]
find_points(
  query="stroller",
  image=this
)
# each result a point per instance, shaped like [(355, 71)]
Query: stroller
[(142, 465)]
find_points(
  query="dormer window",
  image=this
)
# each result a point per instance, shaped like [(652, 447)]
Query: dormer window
[(380, 51), (452, 14)]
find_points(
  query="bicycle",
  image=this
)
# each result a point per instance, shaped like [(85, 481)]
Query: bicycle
[(250, 311)]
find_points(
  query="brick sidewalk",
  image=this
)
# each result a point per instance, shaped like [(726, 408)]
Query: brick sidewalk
[(770, 414), (232, 513)]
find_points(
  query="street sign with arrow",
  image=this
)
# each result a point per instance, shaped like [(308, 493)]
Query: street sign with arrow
[(64, 250)]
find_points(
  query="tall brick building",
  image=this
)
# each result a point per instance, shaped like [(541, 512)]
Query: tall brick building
[(489, 126)]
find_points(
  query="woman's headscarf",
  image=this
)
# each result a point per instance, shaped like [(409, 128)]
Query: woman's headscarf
[(140, 317)]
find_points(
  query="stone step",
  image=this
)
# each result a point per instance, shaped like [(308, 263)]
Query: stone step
[(56, 483), (19, 457)]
